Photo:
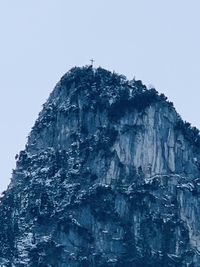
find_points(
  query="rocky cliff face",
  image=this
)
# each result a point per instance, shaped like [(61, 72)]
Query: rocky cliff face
[(110, 177)]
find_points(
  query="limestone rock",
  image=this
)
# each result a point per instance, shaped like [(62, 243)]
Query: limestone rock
[(110, 177)]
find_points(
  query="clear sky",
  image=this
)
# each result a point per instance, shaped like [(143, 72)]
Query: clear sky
[(153, 40)]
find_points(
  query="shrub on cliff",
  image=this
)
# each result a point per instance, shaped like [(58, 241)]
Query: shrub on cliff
[(192, 134)]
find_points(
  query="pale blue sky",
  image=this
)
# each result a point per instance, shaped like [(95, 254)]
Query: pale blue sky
[(157, 41)]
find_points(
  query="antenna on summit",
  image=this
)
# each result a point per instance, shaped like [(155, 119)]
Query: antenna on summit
[(92, 62)]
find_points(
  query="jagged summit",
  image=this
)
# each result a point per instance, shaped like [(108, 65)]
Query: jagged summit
[(109, 177), (100, 87), (86, 89), (96, 89)]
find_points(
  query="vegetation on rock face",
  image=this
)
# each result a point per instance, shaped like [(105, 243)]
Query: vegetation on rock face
[(191, 134), (88, 76), (139, 101)]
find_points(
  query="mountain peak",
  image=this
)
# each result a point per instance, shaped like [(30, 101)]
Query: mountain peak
[(86, 89), (109, 177), (89, 89)]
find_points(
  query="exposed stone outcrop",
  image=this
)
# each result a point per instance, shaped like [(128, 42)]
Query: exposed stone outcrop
[(110, 177)]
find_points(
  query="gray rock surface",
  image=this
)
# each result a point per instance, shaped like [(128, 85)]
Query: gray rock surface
[(110, 177)]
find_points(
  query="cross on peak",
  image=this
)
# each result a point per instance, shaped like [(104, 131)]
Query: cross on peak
[(92, 61)]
